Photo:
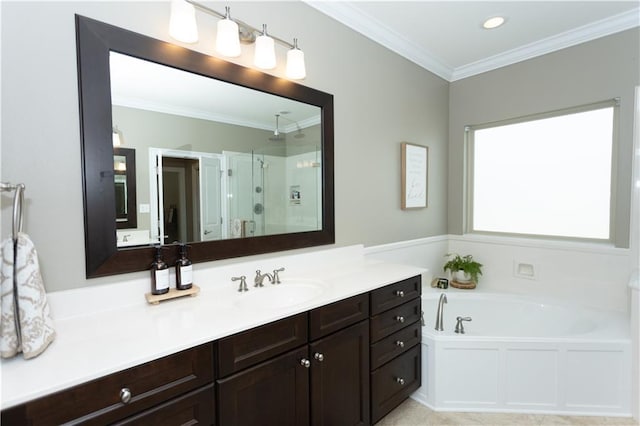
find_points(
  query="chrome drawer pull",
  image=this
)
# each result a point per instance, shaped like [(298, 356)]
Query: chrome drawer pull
[(125, 395), (399, 293), (400, 380), (400, 343), (305, 363), (318, 356), (400, 319)]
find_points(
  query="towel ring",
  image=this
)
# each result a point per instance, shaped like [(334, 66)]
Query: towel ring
[(18, 200)]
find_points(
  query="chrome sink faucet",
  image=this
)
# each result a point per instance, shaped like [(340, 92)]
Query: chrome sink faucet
[(257, 281), (441, 302)]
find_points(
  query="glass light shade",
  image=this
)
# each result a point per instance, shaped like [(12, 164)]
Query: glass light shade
[(182, 23), (228, 39), (116, 139), (296, 69), (265, 54)]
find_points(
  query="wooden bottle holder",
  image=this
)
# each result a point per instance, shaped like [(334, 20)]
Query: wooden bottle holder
[(173, 293)]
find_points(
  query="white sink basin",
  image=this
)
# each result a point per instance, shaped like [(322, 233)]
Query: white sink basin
[(274, 296)]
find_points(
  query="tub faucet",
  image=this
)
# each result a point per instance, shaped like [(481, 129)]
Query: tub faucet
[(441, 302)]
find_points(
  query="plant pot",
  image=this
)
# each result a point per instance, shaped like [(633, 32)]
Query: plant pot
[(461, 277)]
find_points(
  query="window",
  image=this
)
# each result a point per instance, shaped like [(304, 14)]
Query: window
[(546, 176)]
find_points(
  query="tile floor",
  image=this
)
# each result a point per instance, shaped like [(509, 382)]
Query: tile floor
[(412, 413)]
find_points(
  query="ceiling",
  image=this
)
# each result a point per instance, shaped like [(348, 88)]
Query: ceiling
[(447, 38)]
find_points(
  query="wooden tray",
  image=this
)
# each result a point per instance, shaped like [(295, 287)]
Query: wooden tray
[(173, 293), (466, 286)]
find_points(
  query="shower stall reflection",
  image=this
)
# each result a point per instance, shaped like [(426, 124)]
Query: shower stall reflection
[(203, 196)]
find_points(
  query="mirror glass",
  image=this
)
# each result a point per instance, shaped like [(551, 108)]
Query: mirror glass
[(233, 161), (216, 160)]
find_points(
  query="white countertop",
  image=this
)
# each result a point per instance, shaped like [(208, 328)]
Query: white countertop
[(100, 332)]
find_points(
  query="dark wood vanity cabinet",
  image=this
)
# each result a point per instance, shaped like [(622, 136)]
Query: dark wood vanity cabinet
[(324, 381), (176, 389), (346, 363), (395, 344)]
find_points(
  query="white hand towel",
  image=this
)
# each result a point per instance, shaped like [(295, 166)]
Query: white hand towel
[(36, 324)]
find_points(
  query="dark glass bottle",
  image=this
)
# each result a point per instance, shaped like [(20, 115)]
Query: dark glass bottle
[(184, 270), (159, 274)]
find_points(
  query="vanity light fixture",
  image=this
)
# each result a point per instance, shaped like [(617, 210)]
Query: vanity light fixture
[(228, 39), (295, 62), (265, 54), (493, 22), (232, 32), (182, 23)]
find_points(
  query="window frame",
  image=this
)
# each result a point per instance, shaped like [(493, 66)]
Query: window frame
[(469, 155)]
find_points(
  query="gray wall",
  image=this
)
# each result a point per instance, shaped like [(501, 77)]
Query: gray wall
[(595, 71), (380, 98)]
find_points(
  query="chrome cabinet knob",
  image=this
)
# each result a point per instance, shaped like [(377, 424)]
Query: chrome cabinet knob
[(400, 319), (400, 343), (399, 293), (318, 356), (305, 363), (400, 380), (125, 395)]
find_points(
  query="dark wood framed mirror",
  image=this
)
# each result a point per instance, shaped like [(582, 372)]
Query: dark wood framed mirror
[(95, 42)]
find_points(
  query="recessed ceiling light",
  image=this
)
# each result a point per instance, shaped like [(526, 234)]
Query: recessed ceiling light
[(494, 22)]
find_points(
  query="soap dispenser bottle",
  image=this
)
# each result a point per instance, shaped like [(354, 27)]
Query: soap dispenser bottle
[(184, 270), (159, 274)]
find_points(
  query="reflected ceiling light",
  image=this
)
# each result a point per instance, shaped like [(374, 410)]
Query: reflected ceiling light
[(295, 62), (493, 22), (231, 33), (228, 36), (182, 22), (117, 136), (265, 54)]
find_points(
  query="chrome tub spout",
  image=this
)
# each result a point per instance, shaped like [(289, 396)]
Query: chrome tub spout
[(441, 302)]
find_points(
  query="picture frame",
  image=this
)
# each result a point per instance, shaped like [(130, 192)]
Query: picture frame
[(415, 166)]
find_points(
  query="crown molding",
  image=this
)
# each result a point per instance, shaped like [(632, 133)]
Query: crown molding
[(585, 33), (375, 30)]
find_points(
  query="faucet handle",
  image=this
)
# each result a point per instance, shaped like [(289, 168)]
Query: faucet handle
[(243, 283), (257, 282), (276, 277), (459, 328)]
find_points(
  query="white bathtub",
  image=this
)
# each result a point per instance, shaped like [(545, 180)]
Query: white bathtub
[(521, 355)]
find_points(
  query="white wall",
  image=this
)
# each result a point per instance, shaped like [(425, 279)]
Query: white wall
[(380, 100)]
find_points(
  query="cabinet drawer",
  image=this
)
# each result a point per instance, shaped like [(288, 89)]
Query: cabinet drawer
[(395, 294), (338, 315), (399, 342), (99, 401), (196, 407), (250, 347), (388, 322), (394, 382)]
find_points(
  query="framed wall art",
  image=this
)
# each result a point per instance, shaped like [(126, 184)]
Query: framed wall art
[(415, 161)]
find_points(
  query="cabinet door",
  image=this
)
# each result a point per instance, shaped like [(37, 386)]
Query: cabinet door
[(275, 392), (340, 377)]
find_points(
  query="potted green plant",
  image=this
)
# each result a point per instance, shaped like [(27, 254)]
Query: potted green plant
[(463, 268)]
